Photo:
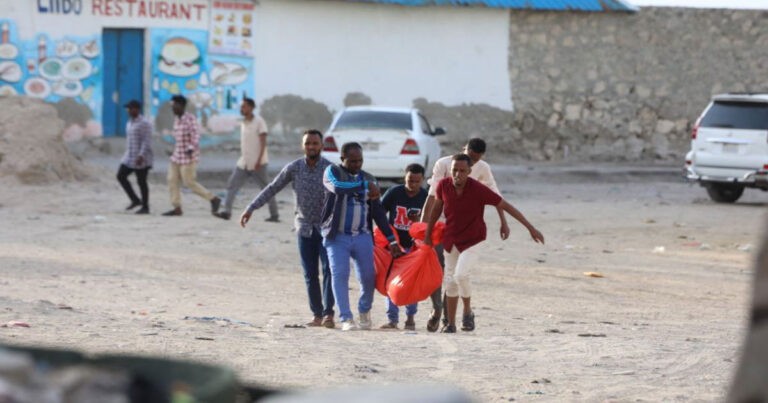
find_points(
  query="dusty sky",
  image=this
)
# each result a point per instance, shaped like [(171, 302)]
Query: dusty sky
[(748, 4)]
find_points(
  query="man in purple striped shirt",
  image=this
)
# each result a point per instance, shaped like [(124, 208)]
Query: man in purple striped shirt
[(137, 158), (351, 198)]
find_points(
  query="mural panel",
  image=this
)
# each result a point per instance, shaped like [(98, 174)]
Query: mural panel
[(62, 71), (213, 84)]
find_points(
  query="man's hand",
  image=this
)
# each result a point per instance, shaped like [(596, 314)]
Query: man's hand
[(245, 217), (536, 235), (140, 161), (256, 167), (395, 251), (504, 231), (373, 191)]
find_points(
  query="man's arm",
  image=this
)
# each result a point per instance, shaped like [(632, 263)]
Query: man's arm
[(535, 234), (379, 216), (262, 150), (145, 137), (437, 209), (281, 180), (333, 184), (487, 179)]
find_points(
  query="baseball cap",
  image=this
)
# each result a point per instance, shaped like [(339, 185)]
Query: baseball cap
[(133, 104)]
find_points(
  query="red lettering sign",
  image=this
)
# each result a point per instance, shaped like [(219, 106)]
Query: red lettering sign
[(165, 9)]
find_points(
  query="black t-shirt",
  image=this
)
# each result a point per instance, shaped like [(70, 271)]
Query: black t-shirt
[(398, 206)]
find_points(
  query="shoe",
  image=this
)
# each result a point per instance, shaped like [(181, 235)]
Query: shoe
[(388, 326), (328, 322), (133, 205), (315, 322), (223, 215), (143, 210), (272, 219), (468, 322), (448, 329), (348, 325), (365, 321), (434, 321), (409, 324), (215, 203), (176, 211)]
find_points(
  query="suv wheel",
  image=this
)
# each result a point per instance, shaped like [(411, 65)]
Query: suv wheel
[(724, 193)]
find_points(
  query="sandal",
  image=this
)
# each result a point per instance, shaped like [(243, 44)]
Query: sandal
[(468, 322), (433, 322), (448, 329)]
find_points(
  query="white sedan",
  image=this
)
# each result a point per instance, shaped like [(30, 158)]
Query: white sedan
[(392, 138)]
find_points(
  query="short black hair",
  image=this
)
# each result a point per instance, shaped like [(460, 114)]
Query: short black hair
[(180, 99), (314, 132), (350, 146), (250, 102), (477, 145), (415, 169), (462, 157)]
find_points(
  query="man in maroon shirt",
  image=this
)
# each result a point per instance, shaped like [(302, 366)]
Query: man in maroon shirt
[(463, 201)]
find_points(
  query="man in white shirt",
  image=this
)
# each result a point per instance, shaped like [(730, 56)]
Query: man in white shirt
[(253, 160), (481, 171)]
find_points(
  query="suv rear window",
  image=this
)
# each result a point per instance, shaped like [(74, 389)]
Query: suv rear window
[(374, 120), (737, 115)]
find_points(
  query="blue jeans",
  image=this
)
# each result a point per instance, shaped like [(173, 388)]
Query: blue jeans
[(393, 311), (312, 252), (360, 248)]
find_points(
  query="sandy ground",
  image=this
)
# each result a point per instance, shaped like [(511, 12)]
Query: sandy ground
[(663, 324)]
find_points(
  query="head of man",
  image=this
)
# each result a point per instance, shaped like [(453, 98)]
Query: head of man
[(414, 177), (312, 143), (179, 104), (352, 157), (134, 108), (475, 148), (247, 107), (461, 166)]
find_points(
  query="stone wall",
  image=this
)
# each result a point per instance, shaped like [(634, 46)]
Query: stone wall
[(625, 86)]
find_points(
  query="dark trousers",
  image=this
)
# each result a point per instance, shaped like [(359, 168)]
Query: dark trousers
[(313, 255), (437, 296), (141, 179)]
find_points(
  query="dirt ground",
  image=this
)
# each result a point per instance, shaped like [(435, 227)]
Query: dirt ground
[(664, 323)]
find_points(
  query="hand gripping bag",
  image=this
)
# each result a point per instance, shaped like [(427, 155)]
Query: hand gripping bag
[(414, 276)]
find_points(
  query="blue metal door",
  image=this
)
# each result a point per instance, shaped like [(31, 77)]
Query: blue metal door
[(123, 75)]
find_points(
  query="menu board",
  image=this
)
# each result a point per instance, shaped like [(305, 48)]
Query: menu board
[(231, 31)]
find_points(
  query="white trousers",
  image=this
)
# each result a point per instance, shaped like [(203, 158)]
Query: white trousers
[(458, 268)]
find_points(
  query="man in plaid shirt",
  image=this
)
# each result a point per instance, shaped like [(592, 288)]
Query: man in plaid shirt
[(137, 158), (183, 166)]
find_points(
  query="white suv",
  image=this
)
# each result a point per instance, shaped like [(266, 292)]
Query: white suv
[(392, 138), (729, 146)]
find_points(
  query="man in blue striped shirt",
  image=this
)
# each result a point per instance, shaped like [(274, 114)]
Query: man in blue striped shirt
[(351, 200)]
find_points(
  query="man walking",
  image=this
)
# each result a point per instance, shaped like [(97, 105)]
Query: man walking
[(306, 175), (137, 158), (253, 160), (481, 171), (463, 201), (186, 152), (352, 197), (403, 205)]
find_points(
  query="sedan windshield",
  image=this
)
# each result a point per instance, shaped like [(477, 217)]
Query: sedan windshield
[(374, 120)]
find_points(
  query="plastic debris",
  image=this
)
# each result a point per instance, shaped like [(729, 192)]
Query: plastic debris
[(659, 249), (593, 274)]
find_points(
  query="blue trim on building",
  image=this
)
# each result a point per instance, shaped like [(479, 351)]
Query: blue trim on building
[(544, 5)]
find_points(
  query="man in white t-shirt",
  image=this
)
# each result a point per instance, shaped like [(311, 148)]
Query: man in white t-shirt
[(481, 171), (253, 160)]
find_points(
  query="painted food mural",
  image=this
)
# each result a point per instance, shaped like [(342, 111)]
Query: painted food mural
[(213, 84), (59, 71)]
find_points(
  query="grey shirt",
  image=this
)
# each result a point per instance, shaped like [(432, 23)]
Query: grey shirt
[(308, 192)]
